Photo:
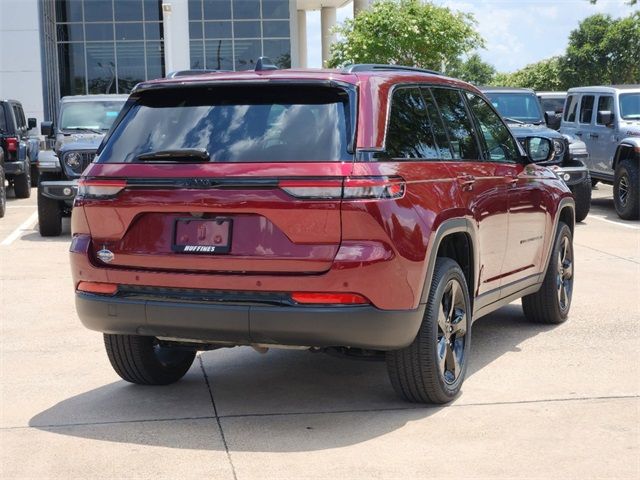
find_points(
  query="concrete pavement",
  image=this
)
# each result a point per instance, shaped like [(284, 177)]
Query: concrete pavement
[(539, 401)]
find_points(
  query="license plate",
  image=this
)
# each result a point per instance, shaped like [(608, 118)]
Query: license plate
[(210, 236)]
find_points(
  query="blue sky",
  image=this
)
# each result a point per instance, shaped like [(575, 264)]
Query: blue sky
[(516, 32)]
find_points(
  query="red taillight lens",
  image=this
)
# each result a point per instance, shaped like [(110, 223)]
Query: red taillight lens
[(373, 187), (88, 188), (98, 288), (12, 144), (329, 298)]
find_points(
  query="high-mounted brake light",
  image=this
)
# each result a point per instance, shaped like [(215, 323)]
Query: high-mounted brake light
[(99, 288), (100, 188), (329, 298), (12, 144), (353, 188)]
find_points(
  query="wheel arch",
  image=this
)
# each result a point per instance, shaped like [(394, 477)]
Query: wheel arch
[(629, 148), (456, 239)]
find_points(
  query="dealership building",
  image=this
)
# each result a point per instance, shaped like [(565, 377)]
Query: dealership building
[(53, 48)]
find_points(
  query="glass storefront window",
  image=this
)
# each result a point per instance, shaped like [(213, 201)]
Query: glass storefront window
[(246, 9), (115, 44), (246, 29), (101, 68), (217, 9), (218, 54), (217, 30), (279, 51), (275, 9)]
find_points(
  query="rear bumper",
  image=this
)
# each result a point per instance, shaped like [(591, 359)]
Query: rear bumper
[(350, 326), (60, 190)]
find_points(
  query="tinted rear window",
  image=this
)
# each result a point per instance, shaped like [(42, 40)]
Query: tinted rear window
[(248, 123)]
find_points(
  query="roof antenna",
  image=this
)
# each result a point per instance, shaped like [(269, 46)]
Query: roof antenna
[(265, 63)]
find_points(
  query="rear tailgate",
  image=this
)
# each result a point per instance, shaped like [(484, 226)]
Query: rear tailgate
[(167, 217)]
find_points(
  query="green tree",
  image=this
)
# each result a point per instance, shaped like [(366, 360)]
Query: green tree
[(473, 70), (405, 32), (542, 75), (603, 50)]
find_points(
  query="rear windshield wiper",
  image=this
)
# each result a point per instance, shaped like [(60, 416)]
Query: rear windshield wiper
[(188, 155), (512, 120)]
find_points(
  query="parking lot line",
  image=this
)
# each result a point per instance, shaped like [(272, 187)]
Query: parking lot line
[(28, 224), (597, 217)]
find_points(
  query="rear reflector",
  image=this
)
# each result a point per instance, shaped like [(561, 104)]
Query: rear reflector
[(329, 298), (98, 288), (88, 188)]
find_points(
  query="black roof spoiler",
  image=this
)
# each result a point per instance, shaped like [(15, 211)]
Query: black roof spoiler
[(370, 67)]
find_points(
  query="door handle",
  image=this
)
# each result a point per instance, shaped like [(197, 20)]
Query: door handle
[(466, 181), (579, 134), (593, 135)]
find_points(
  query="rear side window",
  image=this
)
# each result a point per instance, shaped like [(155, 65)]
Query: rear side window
[(586, 108), (457, 122), (3, 121), (247, 123), (409, 134), (572, 106), (498, 143), (18, 116), (605, 104)]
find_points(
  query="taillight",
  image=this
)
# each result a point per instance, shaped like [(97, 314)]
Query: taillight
[(99, 288), (353, 188), (88, 188), (328, 298), (321, 189), (12, 144), (373, 187)]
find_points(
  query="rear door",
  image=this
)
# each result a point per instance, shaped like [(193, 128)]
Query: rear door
[(238, 179), (527, 217), (482, 186)]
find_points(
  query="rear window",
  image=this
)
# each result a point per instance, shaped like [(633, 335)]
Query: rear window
[(248, 123)]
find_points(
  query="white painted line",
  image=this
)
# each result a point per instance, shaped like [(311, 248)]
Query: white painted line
[(620, 224), (20, 206), (28, 224)]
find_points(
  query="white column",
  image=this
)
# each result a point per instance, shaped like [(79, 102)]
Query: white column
[(302, 38), (327, 22), (360, 5), (175, 19)]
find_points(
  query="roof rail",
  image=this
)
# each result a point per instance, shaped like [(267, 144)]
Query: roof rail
[(264, 63), (369, 67)]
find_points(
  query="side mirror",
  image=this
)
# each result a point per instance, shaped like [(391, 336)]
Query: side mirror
[(32, 123), (46, 129), (552, 120), (539, 149), (605, 117)]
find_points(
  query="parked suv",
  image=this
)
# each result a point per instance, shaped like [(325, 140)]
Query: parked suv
[(370, 209), (82, 122), (607, 119), (19, 149), (522, 111), (552, 105)]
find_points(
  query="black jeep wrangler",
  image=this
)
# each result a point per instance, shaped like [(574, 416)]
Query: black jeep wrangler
[(19, 151), (82, 123), (521, 109)]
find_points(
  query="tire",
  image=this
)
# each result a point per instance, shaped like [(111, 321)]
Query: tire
[(35, 175), (582, 195), (547, 304), (49, 216), (419, 372), (626, 190), (141, 360), (3, 193), (22, 184)]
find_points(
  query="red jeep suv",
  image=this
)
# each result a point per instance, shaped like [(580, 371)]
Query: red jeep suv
[(372, 210)]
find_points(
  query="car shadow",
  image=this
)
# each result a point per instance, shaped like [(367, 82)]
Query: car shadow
[(65, 235), (301, 382)]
